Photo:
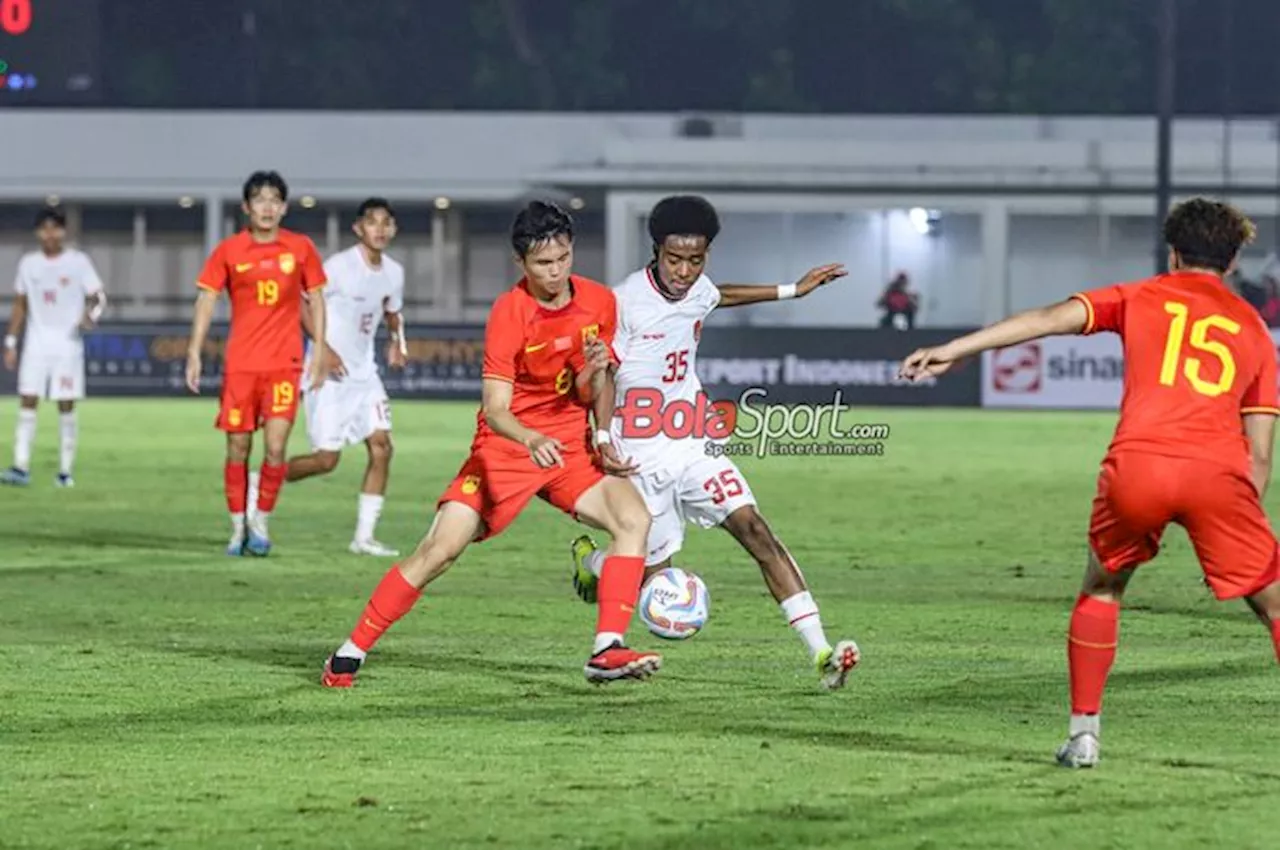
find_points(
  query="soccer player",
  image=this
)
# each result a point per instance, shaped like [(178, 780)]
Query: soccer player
[(352, 405), (264, 269), (546, 355), (59, 294), (1192, 446), (661, 311)]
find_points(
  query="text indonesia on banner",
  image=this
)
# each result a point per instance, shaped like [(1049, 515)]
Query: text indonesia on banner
[(1066, 372)]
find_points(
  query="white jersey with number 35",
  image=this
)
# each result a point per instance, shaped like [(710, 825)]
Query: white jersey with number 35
[(355, 300), (56, 289), (657, 342)]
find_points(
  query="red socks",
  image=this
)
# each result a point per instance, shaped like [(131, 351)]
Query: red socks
[(269, 484), (1275, 636), (1091, 649), (618, 591), (235, 480), (392, 599)]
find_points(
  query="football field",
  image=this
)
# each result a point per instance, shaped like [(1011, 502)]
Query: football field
[(159, 694)]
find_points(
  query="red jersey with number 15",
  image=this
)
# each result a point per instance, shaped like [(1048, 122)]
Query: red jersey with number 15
[(540, 352), (265, 282), (1197, 357)]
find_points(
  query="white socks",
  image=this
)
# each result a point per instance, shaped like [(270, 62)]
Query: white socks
[(24, 436), (68, 431), (595, 562), (802, 615), (237, 525), (604, 640), (367, 517), (1082, 723), (251, 493), (350, 650)]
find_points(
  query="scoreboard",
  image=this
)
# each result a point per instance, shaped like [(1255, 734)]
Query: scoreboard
[(49, 52)]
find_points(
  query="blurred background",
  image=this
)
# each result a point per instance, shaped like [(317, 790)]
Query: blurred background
[(965, 158)]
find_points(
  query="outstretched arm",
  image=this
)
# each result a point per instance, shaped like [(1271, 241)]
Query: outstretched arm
[(1065, 317), (1260, 429), (736, 295)]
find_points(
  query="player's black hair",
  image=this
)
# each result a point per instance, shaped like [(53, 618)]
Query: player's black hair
[(683, 215), (265, 180), (1207, 234), (538, 222), (371, 204), (52, 214)]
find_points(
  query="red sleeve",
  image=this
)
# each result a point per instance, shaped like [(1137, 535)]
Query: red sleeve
[(1105, 307), (502, 342), (606, 328), (313, 276), (1263, 395), (214, 275)]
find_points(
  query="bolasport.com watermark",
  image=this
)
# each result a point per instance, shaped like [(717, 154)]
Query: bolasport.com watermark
[(751, 425)]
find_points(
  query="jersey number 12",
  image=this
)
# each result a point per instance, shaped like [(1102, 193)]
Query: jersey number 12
[(1200, 342)]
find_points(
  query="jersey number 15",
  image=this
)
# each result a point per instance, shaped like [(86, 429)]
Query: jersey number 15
[(1199, 342)]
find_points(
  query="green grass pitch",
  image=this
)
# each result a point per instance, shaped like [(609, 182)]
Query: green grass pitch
[(158, 694)]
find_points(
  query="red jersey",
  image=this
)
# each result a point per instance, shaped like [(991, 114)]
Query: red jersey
[(265, 282), (540, 351), (1196, 358)]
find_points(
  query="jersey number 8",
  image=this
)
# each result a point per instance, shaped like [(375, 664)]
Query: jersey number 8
[(1200, 342)]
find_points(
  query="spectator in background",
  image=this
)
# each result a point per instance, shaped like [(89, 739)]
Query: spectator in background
[(899, 304)]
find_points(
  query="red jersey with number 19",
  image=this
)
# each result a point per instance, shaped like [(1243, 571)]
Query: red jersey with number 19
[(1196, 358), (265, 282)]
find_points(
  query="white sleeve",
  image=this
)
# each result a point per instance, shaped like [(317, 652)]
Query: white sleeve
[(89, 276), (20, 284), (395, 301), (622, 333), (333, 272)]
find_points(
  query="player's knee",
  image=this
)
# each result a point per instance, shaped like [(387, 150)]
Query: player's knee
[(327, 461), (752, 531), (380, 448), (631, 520), (238, 447)]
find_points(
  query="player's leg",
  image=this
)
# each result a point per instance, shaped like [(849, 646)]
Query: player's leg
[(24, 436), (785, 581), (278, 399), (325, 420), (455, 526), (33, 382), (482, 500), (375, 429), (666, 536), (614, 505), (1133, 505), (237, 418), (66, 388)]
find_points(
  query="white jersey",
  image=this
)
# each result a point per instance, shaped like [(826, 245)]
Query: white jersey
[(355, 300), (56, 289), (657, 342)]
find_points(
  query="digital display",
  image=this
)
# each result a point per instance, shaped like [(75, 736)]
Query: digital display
[(49, 52)]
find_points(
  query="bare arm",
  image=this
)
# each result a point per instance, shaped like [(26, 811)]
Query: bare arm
[(317, 314), (17, 319), (1065, 317), (206, 300), (1259, 428), (736, 295), (308, 321), (495, 405), (94, 305), (398, 350)]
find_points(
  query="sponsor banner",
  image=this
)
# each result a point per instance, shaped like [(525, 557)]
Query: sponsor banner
[(1065, 372), (794, 365), (137, 359), (807, 365)]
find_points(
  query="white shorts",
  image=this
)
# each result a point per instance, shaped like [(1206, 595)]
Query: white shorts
[(55, 377), (703, 492), (346, 412)]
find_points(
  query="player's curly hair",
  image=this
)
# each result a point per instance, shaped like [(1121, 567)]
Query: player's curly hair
[(683, 215), (1208, 234), (539, 222)]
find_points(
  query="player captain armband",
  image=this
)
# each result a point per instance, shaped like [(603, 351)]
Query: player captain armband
[(10, 341), (786, 290)]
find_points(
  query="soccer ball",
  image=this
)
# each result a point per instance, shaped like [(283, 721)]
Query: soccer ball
[(675, 604)]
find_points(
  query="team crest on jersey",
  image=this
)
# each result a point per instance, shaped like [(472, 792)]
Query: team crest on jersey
[(234, 418), (697, 330), (65, 281), (590, 332), (287, 263), (470, 484)]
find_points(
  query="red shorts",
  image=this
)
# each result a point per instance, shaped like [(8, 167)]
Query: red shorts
[(498, 481), (251, 398), (1140, 494)]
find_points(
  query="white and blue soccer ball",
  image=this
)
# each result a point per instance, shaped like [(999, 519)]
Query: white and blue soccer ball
[(675, 604)]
